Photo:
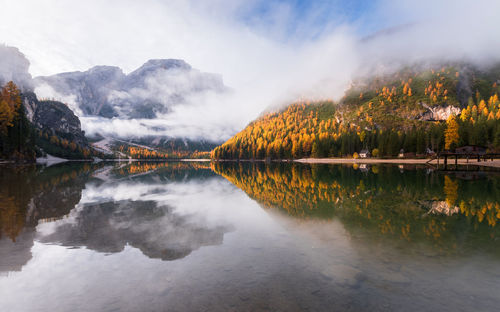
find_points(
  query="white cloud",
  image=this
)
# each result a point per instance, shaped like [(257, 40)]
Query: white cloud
[(14, 66), (263, 68), (46, 92)]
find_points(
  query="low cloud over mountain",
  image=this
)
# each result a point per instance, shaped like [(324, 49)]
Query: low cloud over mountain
[(269, 52), (14, 66), (147, 92), (140, 103)]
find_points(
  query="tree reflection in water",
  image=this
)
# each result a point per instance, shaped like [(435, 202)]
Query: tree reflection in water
[(412, 205), (329, 238)]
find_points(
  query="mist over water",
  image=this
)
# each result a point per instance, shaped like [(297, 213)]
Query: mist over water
[(241, 236)]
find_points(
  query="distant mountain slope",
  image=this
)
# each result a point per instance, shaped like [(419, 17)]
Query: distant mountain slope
[(147, 92), (154, 147), (403, 110), (105, 94)]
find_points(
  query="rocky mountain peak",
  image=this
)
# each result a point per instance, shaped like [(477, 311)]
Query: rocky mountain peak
[(104, 72), (152, 88), (155, 64)]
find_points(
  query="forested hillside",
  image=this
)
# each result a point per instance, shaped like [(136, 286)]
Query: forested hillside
[(31, 128), (424, 110)]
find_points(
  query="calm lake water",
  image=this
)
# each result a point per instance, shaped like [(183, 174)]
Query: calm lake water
[(248, 237)]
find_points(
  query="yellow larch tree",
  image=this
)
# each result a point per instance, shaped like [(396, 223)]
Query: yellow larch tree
[(451, 135)]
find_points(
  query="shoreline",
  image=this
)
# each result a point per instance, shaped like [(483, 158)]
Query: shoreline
[(451, 162), (45, 161), (409, 161)]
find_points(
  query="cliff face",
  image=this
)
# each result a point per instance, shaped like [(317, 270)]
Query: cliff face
[(30, 103), (59, 119), (55, 118)]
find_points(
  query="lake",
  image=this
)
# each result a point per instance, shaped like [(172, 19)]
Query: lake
[(201, 236)]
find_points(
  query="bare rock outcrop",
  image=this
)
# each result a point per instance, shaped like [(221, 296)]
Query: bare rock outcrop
[(439, 113)]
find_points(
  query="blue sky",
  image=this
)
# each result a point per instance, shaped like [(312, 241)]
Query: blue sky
[(309, 19)]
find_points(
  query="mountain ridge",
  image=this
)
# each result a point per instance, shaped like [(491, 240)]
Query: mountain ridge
[(106, 91)]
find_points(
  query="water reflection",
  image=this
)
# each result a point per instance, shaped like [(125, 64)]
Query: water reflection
[(329, 238), (155, 230), (29, 195), (456, 212), (100, 207)]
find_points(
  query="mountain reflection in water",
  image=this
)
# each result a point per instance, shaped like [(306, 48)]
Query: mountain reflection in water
[(44, 197), (157, 231), (189, 236)]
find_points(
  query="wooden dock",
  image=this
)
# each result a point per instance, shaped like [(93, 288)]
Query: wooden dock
[(473, 156)]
